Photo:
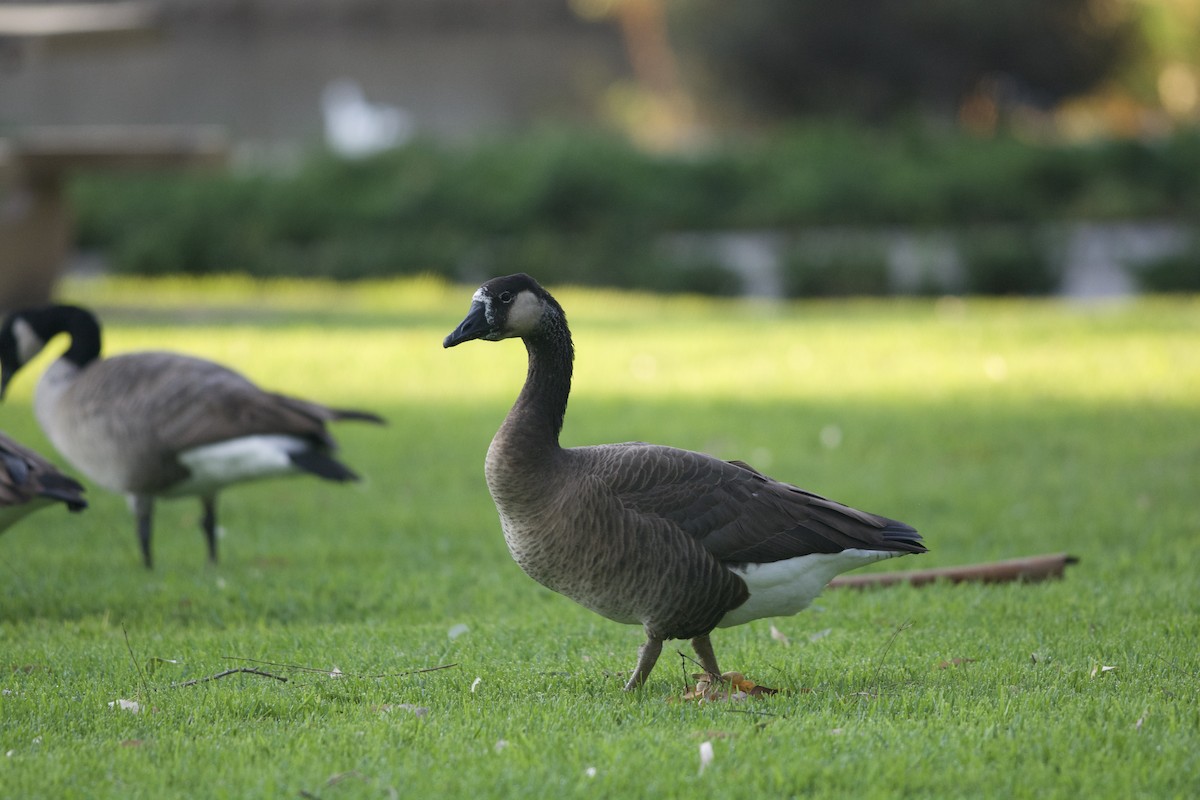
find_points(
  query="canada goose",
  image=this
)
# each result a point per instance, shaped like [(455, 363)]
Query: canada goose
[(677, 541), (156, 424), (29, 482)]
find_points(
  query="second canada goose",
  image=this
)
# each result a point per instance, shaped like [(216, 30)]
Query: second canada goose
[(157, 424), (29, 482), (676, 541)]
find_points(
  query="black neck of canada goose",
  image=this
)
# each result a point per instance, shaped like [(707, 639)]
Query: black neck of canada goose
[(537, 416), (83, 328), (25, 333)]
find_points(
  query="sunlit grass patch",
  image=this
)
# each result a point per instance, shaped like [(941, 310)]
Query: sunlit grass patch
[(997, 428)]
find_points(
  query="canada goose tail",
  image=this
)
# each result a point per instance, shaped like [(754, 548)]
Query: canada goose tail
[(54, 486), (354, 415), (322, 465), (901, 537), (325, 413), (65, 490), (40, 478)]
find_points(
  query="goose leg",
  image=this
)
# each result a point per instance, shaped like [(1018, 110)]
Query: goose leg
[(209, 524), (704, 651), (143, 510), (647, 655)]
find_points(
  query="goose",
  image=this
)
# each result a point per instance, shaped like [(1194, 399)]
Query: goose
[(677, 541), (162, 425), (29, 482)]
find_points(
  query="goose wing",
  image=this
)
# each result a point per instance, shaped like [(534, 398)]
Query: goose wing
[(737, 513), (186, 402)]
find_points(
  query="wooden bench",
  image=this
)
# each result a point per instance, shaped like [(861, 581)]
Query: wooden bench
[(35, 163), (35, 220)]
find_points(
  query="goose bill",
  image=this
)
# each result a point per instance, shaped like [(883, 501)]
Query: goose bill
[(474, 326)]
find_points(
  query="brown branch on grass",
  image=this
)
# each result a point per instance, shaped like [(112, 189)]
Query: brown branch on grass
[(1030, 569)]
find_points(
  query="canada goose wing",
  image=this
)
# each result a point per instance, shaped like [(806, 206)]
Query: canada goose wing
[(25, 475), (188, 402), (739, 514)]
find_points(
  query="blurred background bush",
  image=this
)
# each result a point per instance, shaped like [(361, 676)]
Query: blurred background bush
[(839, 132)]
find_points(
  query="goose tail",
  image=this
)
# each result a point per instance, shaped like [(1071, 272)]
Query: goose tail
[(323, 466), (354, 415), (902, 538), (65, 490)]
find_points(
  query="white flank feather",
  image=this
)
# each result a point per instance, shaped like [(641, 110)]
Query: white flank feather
[(246, 458), (783, 588)]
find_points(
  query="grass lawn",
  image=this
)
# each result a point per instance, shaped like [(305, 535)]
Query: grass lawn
[(998, 429)]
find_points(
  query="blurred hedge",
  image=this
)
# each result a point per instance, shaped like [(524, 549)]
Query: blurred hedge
[(584, 208)]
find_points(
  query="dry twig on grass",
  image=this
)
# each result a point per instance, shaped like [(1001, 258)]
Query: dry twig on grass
[(227, 673)]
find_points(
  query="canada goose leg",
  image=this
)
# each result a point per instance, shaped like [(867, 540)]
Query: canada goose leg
[(647, 656), (210, 526), (143, 510), (704, 651)]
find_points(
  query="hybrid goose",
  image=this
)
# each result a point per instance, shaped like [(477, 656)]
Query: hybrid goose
[(676, 541), (29, 482), (157, 424)]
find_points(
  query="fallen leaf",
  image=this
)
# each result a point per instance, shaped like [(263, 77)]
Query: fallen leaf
[(1100, 669), (730, 686), (335, 672), (131, 706), (131, 743), (780, 636), (475, 683), (956, 662), (706, 755)]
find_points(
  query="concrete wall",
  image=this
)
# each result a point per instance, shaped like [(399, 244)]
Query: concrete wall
[(258, 67)]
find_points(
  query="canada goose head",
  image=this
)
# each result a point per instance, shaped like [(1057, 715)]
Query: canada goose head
[(24, 334), (514, 306)]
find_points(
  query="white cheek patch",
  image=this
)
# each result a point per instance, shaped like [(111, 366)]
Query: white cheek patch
[(29, 344), (525, 314)]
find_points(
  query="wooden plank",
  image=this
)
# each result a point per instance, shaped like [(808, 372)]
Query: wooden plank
[(76, 19), (39, 152)]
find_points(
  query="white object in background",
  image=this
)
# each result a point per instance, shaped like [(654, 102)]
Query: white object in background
[(354, 127)]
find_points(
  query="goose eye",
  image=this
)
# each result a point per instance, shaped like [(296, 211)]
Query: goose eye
[(506, 297)]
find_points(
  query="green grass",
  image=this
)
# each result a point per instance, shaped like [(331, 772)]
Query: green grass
[(997, 428)]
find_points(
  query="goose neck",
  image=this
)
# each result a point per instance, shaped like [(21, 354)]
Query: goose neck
[(84, 331), (537, 416)]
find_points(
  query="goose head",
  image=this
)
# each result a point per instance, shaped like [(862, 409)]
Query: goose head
[(23, 334), (514, 306)]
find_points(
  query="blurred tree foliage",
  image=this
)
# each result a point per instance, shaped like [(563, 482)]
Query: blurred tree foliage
[(581, 208), (875, 59)]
